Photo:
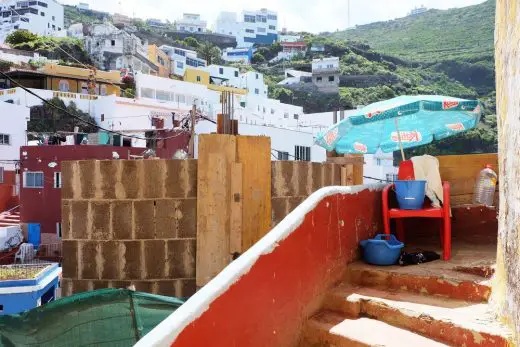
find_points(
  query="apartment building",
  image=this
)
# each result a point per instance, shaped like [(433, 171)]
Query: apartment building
[(191, 22), (181, 59), (325, 74), (43, 17)]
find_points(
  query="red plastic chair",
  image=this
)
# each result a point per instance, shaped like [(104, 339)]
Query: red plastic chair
[(426, 212)]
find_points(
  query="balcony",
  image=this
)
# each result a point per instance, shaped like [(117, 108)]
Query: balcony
[(325, 70)]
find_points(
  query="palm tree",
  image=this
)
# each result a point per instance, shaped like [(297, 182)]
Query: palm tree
[(209, 52)]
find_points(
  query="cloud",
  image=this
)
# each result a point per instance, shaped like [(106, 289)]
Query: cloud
[(297, 15)]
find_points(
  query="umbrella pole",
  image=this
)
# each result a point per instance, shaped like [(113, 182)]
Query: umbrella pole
[(399, 138)]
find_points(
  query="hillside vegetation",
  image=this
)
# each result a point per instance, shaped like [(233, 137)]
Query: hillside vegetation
[(437, 35)]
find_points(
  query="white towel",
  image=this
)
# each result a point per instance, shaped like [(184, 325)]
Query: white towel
[(426, 168)]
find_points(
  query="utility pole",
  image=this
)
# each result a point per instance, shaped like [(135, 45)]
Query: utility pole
[(191, 145)]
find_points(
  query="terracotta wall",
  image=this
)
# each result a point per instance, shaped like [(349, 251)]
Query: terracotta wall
[(129, 222), (264, 297), (7, 189)]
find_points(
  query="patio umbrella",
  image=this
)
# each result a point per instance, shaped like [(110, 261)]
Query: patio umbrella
[(401, 122)]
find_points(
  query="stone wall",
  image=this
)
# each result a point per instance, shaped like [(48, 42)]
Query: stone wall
[(506, 289), (129, 222), (293, 181)]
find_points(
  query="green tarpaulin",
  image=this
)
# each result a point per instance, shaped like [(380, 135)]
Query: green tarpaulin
[(105, 317)]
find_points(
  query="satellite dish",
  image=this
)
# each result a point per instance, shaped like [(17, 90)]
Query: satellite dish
[(52, 164)]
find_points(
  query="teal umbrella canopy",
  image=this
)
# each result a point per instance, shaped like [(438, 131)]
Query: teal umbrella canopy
[(401, 122)]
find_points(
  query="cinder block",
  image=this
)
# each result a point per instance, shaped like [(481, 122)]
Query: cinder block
[(181, 255), (132, 260), (186, 288), (327, 174), (165, 219), (65, 219), (109, 170), (336, 175), (166, 287), (317, 176), (67, 173), (130, 181), (111, 260), (279, 209), (100, 216), (186, 216), (294, 202), (302, 174), (87, 262), (70, 258), (80, 286), (175, 177), (122, 219), (100, 284), (66, 287), (144, 219), (154, 176), (120, 284), (79, 221), (282, 176), (190, 188), (88, 179), (154, 251), (144, 286)]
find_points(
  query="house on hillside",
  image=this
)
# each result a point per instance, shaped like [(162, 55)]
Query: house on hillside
[(113, 49), (325, 74), (181, 59), (191, 22)]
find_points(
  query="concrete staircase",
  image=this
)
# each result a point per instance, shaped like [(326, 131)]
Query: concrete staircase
[(10, 217), (378, 306)]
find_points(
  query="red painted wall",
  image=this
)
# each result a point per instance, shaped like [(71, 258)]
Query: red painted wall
[(268, 305), (43, 205), (7, 200)]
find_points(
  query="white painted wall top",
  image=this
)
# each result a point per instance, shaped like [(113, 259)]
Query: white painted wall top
[(13, 120)]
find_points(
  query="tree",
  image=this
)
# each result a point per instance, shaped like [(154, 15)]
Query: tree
[(209, 52), (257, 58), (191, 42), (50, 119), (20, 36)]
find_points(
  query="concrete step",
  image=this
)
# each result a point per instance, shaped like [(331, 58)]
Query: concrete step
[(455, 322), (429, 279), (334, 330)]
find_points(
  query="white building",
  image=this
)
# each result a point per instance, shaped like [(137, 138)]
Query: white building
[(18, 56), (83, 6), (254, 27), (182, 59), (418, 10), (254, 83), (12, 133), (238, 55), (42, 17), (224, 75), (289, 38), (191, 22)]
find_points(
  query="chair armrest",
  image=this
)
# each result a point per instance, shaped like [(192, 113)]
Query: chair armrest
[(447, 200)]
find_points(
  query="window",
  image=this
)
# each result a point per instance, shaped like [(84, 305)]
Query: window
[(182, 28), (260, 30), (221, 70), (251, 31), (302, 153), (53, 27), (330, 66), (318, 79), (53, 18), (102, 117), (257, 91), (236, 73), (180, 65), (103, 89), (263, 109), (198, 78), (57, 180), (272, 27), (42, 14), (58, 230), (249, 18), (64, 86), (272, 17), (5, 139), (33, 179), (84, 88), (42, 4), (256, 76), (272, 111), (260, 18), (1, 174), (331, 78), (180, 52), (286, 115), (49, 26), (295, 116), (23, 19), (112, 42), (391, 177), (199, 29), (283, 155)]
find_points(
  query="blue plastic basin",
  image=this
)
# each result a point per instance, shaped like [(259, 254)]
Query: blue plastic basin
[(410, 194), (382, 250)]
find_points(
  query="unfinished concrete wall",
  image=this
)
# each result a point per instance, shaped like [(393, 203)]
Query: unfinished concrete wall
[(506, 289), (293, 181), (129, 222)]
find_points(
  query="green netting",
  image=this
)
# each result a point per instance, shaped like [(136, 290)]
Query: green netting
[(104, 317)]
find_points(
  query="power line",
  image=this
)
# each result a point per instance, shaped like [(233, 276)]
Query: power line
[(83, 120)]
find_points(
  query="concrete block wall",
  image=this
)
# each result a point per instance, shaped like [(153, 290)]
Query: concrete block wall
[(293, 181), (129, 222)]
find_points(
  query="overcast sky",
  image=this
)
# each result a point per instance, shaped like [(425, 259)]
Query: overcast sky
[(298, 15)]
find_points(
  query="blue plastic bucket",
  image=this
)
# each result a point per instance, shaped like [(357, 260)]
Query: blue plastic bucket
[(410, 194), (382, 250)]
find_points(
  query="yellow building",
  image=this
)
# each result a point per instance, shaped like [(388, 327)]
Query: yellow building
[(161, 59), (67, 79), (203, 77)]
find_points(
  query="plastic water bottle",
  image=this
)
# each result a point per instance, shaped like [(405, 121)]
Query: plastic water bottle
[(485, 186)]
